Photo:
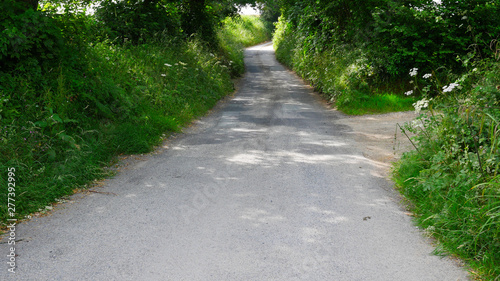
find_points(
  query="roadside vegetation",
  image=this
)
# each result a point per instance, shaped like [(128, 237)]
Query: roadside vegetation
[(441, 60), (78, 89), (452, 178)]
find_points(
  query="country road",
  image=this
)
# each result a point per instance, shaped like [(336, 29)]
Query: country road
[(269, 186)]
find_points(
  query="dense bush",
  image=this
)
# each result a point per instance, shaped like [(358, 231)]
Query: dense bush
[(138, 21), (429, 36), (343, 75), (29, 38)]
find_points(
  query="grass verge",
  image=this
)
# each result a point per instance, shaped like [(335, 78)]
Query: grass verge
[(453, 180), (374, 104)]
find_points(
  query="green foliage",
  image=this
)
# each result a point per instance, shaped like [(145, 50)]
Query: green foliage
[(28, 39), (284, 41), (248, 30), (137, 21), (360, 104), (270, 12), (429, 36), (452, 179)]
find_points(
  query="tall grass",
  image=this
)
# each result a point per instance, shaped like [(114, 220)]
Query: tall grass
[(359, 103)]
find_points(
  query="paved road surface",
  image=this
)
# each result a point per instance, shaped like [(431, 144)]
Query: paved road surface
[(269, 187)]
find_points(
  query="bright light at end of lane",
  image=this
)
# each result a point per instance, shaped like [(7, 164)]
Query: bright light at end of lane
[(248, 10)]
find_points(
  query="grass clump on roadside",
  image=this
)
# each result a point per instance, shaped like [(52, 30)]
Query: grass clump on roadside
[(360, 104), (70, 104)]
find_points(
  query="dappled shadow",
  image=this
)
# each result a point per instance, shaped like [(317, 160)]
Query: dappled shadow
[(272, 188)]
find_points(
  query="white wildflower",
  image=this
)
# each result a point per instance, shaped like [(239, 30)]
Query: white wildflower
[(169, 65), (409, 92), (163, 75), (428, 75), (182, 63), (423, 103), (413, 71), (450, 87), (464, 17), (417, 124), (107, 58)]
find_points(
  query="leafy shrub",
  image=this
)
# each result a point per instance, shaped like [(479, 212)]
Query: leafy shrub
[(429, 35), (29, 38), (138, 21)]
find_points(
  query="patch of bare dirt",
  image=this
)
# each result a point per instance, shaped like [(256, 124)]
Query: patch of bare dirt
[(379, 137)]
